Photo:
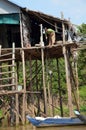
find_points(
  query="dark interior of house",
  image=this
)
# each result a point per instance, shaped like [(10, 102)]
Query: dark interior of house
[(9, 34)]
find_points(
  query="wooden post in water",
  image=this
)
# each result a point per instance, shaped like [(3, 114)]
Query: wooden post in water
[(67, 68)]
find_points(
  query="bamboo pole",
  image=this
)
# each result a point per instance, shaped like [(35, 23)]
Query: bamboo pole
[(68, 79)]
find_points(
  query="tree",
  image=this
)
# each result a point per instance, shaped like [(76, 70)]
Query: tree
[(82, 29), (82, 58)]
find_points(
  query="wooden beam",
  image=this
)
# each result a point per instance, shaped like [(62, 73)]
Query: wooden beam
[(68, 79), (24, 77), (59, 87)]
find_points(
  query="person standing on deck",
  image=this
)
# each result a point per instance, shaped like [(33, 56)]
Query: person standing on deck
[(50, 36)]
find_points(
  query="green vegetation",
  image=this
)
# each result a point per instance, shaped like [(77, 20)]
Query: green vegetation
[(82, 71)]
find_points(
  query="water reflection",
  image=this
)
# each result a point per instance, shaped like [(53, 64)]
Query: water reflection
[(30, 127)]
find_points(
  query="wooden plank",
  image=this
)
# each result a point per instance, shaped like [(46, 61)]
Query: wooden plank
[(4, 92), (4, 60), (7, 78), (2, 73), (5, 55), (7, 85), (3, 66)]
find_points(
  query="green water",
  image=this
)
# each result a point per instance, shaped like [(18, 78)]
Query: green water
[(30, 127)]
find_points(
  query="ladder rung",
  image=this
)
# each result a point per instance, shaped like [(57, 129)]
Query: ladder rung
[(3, 60), (7, 85), (7, 66), (7, 78), (5, 92), (5, 54), (2, 73)]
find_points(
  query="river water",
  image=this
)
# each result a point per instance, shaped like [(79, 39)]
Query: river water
[(30, 127)]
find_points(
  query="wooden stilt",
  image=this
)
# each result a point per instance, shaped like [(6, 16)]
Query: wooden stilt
[(24, 78), (32, 96), (59, 87), (44, 87), (17, 104), (68, 79), (13, 87), (37, 82), (43, 70), (1, 67)]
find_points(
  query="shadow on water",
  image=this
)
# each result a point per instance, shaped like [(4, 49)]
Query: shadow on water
[(30, 127)]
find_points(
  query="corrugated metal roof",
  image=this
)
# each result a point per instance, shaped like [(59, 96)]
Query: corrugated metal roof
[(16, 3)]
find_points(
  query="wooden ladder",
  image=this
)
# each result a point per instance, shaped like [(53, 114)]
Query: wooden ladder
[(8, 80)]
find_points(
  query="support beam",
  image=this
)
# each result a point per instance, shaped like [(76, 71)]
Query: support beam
[(67, 68), (24, 78), (59, 87), (43, 69)]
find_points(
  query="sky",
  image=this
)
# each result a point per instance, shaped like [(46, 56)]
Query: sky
[(75, 10)]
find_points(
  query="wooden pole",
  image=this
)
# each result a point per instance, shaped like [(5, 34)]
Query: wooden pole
[(59, 87), (17, 104), (44, 87), (24, 79), (43, 70), (32, 96), (68, 79), (77, 84), (0, 68), (38, 96), (13, 87)]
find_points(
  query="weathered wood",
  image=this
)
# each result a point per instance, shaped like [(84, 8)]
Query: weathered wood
[(8, 72), (0, 68), (13, 64), (7, 54), (77, 86), (7, 85), (59, 87), (5, 92), (24, 77), (4, 60), (7, 78), (68, 79), (32, 96), (50, 100), (17, 104), (3, 66), (0, 50), (44, 87)]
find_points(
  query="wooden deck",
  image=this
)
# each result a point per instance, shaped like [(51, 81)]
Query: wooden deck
[(55, 51)]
